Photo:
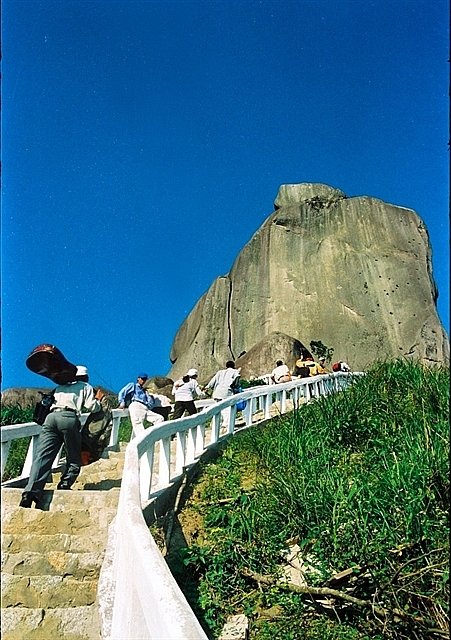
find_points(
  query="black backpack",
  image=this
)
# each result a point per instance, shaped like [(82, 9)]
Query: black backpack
[(129, 397), (42, 408)]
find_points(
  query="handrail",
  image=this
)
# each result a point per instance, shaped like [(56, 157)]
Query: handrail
[(148, 604), (146, 601), (12, 432)]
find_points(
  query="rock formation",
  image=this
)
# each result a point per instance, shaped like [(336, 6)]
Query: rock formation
[(354, 273), (263, 356)]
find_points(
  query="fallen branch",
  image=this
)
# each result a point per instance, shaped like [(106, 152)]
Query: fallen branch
[(334, 593), (314, 591)]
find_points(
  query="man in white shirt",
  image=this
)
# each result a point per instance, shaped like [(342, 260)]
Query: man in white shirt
[(224, 384), (62, 426), (281, 373)]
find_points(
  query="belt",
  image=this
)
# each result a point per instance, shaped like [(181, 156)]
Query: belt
[(63, 409), (140, 402)]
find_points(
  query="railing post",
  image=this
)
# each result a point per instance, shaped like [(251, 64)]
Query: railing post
[(267, 405), (31, 454), (248, 412), (215, 427), (180, 451), (145, 473), (231, 425), (200, 437), (114, 437), (191, 448), (5, 451), (283, 401), (164, 468)]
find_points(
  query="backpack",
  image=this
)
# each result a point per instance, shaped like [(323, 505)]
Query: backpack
[(42, 408), (336, 367), (128, 398), (240, 406)]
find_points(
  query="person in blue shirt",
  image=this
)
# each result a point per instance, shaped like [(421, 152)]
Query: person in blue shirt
[(141, 404)]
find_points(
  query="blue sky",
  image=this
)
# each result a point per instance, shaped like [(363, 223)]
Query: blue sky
[(144, 142)]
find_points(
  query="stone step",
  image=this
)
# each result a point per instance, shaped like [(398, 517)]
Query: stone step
[(52, 556), (53, 563), (47, 592), (78, 623), (87, 522), (15, 543), (58, 500)]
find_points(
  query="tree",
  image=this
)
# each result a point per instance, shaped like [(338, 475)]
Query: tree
[(320, 350)]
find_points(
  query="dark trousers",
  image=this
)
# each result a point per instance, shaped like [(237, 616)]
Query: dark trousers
[(184, 405), (60, 427)]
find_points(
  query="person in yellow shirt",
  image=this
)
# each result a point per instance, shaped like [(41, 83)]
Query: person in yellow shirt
[(321, 366), (306, 367)]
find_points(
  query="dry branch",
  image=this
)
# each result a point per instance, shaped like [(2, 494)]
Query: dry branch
[(334, 593)]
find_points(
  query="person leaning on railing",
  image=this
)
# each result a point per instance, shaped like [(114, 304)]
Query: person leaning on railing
[(61, 426), (281, 373), (141, 403), (224, 384)]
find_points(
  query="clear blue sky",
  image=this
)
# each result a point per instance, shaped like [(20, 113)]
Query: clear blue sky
[(144, 143)]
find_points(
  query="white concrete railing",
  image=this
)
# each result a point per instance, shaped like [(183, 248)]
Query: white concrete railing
[(31, 429), (146, 601)]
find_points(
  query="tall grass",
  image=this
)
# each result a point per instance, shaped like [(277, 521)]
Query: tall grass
[(357, 478)]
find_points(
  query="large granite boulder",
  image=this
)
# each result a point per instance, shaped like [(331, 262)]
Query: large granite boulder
[(354, 273), (264, 355)]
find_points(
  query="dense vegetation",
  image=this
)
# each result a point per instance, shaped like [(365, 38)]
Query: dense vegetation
[(359, 481)]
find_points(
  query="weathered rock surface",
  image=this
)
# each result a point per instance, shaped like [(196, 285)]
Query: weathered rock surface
[(276, 346), (354, 273)]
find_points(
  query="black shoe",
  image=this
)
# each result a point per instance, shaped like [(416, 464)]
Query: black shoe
[(27, 500), (63, 485)]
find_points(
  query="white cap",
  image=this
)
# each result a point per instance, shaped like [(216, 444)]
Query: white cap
[(81, 371), (192, 372)]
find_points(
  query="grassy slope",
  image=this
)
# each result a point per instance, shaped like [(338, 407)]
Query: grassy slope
[(360, 478)]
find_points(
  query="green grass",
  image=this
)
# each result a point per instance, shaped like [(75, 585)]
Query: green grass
[(357, 478), (15, 414)]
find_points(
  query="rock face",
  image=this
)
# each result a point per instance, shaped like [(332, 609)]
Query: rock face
[(354, 273), (263, 356)]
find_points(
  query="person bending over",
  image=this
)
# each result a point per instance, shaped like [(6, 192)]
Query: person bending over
[(141, 404)]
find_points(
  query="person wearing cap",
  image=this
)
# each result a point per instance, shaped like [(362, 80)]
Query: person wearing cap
[(185, 391), (321, 366), (306, 367), (141, 404), (61, 426)]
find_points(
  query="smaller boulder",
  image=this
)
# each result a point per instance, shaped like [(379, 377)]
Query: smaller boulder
[(262, 357)]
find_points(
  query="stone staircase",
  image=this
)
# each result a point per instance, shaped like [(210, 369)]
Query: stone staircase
[(51, 558)]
